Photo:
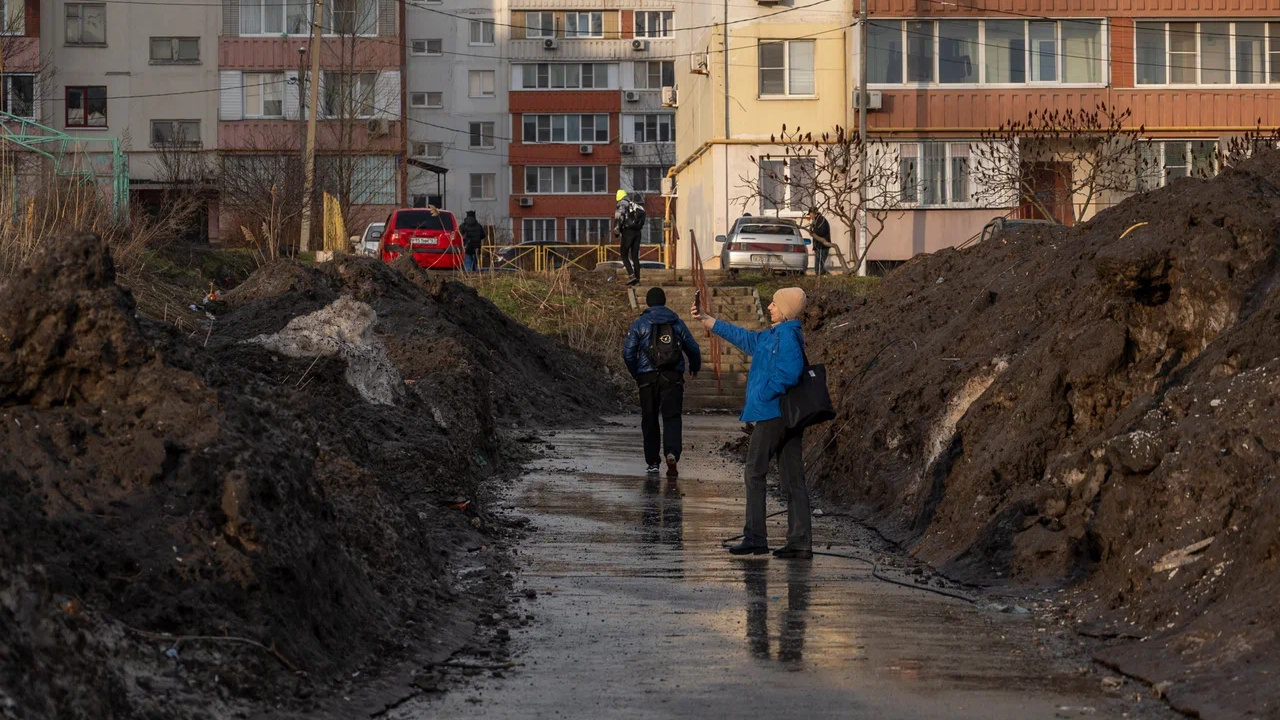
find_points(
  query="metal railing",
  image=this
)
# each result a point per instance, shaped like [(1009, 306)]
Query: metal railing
[(550, 257), (700, 284)]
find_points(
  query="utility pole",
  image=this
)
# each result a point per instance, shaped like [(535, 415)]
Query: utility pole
[(863, 98), (313, 93)]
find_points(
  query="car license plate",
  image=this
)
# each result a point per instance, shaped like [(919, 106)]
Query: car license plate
[(426, 241), (766, 258)]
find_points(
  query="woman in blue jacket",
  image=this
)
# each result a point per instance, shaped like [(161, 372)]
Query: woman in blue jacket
[(777, 358)]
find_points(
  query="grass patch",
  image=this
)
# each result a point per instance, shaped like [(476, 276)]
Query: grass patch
[(767, 285)]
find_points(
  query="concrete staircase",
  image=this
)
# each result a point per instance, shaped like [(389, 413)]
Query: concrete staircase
[(738, 305)]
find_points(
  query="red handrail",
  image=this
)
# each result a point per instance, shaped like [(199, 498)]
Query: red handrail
[(700, 284)]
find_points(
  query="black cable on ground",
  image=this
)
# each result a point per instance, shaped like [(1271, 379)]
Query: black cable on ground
[(725, 542)]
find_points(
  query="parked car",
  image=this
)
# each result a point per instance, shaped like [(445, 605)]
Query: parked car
[(1001, 224), (431, 237), (765, 244), (367, 243)]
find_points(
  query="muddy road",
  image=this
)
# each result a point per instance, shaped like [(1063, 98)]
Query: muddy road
[(640, 613)]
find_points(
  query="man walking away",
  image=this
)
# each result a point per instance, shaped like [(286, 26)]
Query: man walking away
[(777, 361), (821, 231), (655, 353), (473, 236), (628, 222)]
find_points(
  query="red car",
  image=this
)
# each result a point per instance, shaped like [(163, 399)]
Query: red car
[(432, 237)]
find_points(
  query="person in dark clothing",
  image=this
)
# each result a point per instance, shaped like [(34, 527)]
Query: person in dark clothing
[(473, 236), (629, 232), (821, 231), (655, 353)]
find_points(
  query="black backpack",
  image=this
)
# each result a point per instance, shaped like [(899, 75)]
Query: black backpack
[(635, 216), (665, 350)]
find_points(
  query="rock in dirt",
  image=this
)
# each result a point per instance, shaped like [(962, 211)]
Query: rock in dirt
[(1074, 407)]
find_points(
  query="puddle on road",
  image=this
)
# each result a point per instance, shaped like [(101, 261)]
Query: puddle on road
[(642, 613)]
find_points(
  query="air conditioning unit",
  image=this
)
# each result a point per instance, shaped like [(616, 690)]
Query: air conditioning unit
[(875, 100), (699, 64), (526, 201), (640, 45), (631, 96), (551, 44), (627, 149), (668, 97), (768, 3), (668, 187), (378, 127), (587, 149)]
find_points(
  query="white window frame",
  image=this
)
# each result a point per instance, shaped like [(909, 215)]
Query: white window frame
[(175, 45), (471, 82), (1104, 59), (80, 8), (585, 223), (531, 227), (539, 31), (426, 50), (328, 77), (591, 17), (546, 174), (6, 93), (952, 153), (175, 123), (645, 21), (648, 65), (549, 75), (262, 83), (482, 25), (786, 70), (790, 205), (371, 28), (262, 8), (662, 171), (429, 149), (493, 186), (1270, 52), (653, 234), (17, 28), (491, 135), (640, 124), (550, 120), (1162, 165)]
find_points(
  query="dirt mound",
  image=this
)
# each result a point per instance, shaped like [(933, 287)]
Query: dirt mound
[(188, 521), (1094, 406)]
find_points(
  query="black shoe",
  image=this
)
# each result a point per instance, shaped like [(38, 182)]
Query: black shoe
[(786, 552), (653, 470), (634, 281), (671, 466), (743, 548)]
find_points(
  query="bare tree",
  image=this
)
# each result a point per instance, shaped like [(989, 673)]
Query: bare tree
[(824, 172), (1254, 142), (1059, 164)]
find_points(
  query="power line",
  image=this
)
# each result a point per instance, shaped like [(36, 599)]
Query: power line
[(1100, 23)]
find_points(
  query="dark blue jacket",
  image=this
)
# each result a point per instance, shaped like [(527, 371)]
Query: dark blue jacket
[(777, 358), (635, 353)]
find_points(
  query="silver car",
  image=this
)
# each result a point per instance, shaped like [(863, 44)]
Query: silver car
[(368, 243), (764, 244)]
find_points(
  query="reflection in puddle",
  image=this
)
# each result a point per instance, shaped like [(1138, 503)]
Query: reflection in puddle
[(792, 624)]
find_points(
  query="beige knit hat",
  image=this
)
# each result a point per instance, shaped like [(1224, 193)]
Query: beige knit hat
[(790, 301)]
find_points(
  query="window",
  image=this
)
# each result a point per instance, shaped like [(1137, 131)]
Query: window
[(175, 50), (996, 52), (12, 17), (484, 186), (786, 67), (654, 128), (539, 25), (562, 180), (654, 24), (372, 178), (1207, 53), (584, 25), (783, 184), (481, 32), (1163, 162), (655, 74), (86, 24), (18, 95), (934, 174), (538, 230), (275, 17), (350, 17), (481, 82), (431, 46), (652, 232), (565, 76), (86, 106), (347, 95), (175, 133), (429, 149), (566, 128), (587, 231), (648, 179), (481, 135), (426, 99), (264, 95)]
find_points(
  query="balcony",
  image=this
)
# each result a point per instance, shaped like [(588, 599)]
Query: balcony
[(588, 49)]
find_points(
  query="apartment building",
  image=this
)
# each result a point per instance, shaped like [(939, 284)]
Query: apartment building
[(738, 83), (1193, 77), (20, 57), (263, 67), (458, 125), (587, 115)]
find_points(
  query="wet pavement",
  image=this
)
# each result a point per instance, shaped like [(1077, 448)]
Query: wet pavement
[(641, 613)]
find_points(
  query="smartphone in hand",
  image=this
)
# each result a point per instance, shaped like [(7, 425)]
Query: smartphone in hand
[(697, 299)]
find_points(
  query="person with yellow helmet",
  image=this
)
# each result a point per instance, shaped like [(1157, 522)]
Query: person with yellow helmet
[(628, 225)]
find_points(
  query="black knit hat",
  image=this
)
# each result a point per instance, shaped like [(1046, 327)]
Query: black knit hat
[(655, 297)]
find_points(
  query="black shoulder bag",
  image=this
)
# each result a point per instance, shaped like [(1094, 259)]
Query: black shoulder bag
[(808, 402)]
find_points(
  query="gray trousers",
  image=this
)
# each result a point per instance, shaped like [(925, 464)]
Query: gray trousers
[(770, 439)]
